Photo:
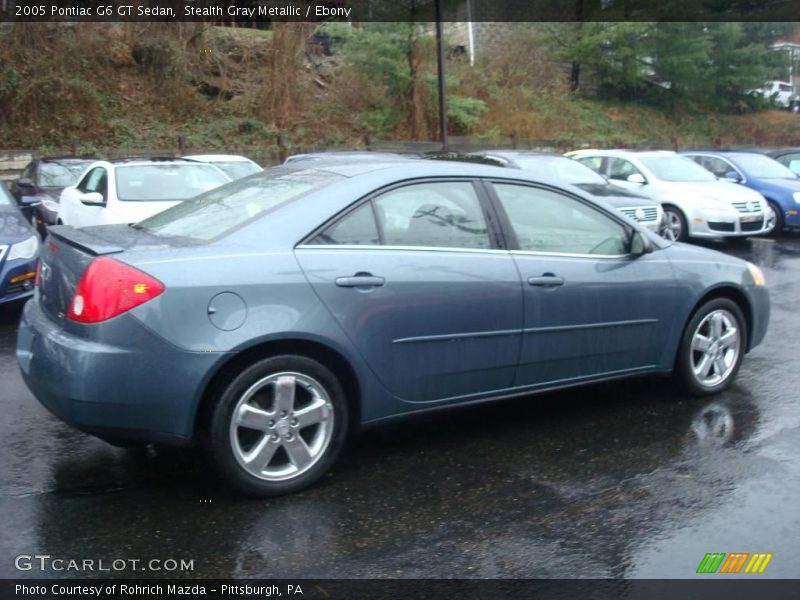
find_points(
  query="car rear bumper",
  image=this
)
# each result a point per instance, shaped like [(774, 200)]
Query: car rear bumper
[(145, 391)]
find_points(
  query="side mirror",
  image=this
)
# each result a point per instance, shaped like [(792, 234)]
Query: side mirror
[(93, 199), (640, 244), (24, 182), (637, 178), (30, 201), (733, 176)]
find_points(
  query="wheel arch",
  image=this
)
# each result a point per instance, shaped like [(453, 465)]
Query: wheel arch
[(241, 359), (736, 295)]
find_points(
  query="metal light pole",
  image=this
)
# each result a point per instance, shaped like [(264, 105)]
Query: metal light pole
[(440, 61)]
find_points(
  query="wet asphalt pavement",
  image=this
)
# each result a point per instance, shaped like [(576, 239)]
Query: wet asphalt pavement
[(619, 480)]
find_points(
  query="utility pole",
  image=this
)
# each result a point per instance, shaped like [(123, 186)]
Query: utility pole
[(440, 60)]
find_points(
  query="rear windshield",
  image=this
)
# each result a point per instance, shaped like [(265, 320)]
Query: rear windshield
[(222, 210), (61, 174), (145, 183)]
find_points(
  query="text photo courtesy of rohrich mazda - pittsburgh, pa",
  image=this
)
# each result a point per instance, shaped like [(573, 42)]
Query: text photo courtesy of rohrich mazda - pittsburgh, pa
[(384, 299)]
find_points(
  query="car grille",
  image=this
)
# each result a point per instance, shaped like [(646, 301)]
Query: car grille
[(747, 207), (718, 226), (650, 213), (753, 225)]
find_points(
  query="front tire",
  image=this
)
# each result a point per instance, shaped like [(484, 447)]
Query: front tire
[(675, 228), (278, 426), (712, 348), (780, 220)]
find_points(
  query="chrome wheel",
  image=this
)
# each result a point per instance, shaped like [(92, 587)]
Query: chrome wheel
[(673, 226), (716, 344), (281, 426)]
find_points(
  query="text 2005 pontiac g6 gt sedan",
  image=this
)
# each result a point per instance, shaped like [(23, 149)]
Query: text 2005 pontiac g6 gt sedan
[(267, 318)]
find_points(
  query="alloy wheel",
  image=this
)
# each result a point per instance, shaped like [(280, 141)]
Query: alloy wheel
[(715, 349), (281, 426), (673, 227)]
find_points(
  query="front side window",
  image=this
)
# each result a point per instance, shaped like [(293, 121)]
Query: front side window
[(434, 214), (716, 165), (546, 221), (96, 180), (792, 161), (619, 168)]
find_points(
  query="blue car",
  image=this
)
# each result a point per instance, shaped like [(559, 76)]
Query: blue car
[(19, 246), (777, 183), (270, 317)]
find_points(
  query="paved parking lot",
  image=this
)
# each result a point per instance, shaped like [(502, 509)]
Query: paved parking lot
[(619, 480)]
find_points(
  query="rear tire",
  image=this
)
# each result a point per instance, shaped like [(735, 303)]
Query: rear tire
[(278, 426), (712, 348)]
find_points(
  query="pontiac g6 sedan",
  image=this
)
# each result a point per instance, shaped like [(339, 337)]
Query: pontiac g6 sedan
[(269, 317)]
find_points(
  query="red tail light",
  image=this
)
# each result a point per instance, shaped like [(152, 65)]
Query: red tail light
[(108, 288), (38, 279)]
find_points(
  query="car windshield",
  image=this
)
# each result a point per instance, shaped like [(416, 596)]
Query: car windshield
[(170, 181), (237, 169), (560, 168), (763, 167), (222, 210), (676, 168), (60, 174)]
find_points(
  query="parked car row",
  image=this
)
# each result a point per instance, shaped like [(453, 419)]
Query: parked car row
[(85, 191)]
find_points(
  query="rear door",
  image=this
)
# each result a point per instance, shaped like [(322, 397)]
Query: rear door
[(591, 309), (417, 281)]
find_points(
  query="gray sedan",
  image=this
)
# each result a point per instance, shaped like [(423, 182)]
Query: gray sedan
[(270, 317)]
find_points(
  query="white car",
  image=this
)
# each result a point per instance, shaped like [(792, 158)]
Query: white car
[(696, 203), (233, 165), (129, 190)]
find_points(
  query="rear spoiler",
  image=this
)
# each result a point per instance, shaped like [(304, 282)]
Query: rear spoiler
[(83, 240)]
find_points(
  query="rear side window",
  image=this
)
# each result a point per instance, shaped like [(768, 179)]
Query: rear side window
[(222, 210), (431, 214)]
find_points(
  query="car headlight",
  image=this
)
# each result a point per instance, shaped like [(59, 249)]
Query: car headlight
[(50, 205), (796, 197), (757, 274), (25, 249)]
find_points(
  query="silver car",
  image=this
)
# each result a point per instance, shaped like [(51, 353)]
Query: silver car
[(696, 203)]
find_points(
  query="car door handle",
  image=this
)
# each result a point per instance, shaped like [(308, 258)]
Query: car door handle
[(546, 280), (360, 280)]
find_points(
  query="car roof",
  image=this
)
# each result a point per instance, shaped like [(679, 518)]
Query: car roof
[(134, 160), (512, 154), (408, 169), (217, 158), (350, 154), (625, 152), (63, 159), (726, 151)]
